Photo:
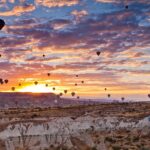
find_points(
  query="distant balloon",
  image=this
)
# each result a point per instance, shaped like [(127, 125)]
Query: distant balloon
[(46, 85), (13, 88), (19, 84), (48, 74), (77, 75), (78, 97), (149, 95), (0, 55), (65, 91), (82, 82), (126, 6), (60, 94), (43, 55), (35, 82), (1, 81), (6, 81), (76, 84), (108, 95), (2, 24), (73, 93), (122, 98), (98, 53), (53, 88)]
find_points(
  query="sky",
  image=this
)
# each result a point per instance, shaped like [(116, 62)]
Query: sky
[(69, 33)]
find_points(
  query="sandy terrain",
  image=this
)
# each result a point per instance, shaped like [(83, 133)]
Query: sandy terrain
[(117, 126)]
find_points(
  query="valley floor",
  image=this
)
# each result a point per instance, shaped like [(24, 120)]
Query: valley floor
[(115, 126)]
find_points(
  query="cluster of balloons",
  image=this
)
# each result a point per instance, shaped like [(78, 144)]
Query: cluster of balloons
[(3, 81)]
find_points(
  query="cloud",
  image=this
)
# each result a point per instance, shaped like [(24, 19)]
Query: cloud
[(18, 10), (70, 48), (56, 3)]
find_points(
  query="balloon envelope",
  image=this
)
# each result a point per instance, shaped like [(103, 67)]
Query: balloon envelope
[(73, 93), (2, 24), (65, 91), (6, 81), (98, 53)]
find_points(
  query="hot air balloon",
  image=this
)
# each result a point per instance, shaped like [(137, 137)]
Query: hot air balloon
[(122, 98), (108, 95), (149, 95), (1, 81), (78, 97), (35, 82), (48, 74), (65, 91), (6, 81), (2, 24), (82, 82), (105, 89), (98, 53), (43, 55), (126, 6), (73, 93), (46, 85), (53, 88), (19, 84), (75, 84), (0, 55), (77, 75), (60, 94), (13, 88)]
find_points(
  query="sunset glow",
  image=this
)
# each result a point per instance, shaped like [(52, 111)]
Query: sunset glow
[(36, 89), (101, 41)]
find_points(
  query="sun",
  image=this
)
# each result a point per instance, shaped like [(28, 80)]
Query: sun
[(40, 88)]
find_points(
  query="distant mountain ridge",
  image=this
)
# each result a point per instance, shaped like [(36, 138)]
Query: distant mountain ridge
[(27, 99)]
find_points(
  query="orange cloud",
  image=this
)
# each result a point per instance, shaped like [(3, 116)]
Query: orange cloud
[(18, 10), (56, 3)]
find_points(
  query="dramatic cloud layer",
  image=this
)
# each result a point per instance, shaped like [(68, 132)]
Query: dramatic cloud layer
[(63, 36)]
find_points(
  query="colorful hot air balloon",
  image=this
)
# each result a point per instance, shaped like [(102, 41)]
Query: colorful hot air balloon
[(2, 24)]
